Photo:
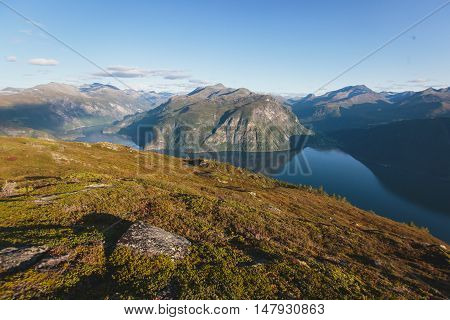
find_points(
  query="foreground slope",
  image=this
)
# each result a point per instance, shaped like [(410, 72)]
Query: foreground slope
[(251, 236), (217, 118)]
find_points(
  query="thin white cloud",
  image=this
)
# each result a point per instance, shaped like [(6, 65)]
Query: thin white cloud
[(43, 62), (135, 72), (176, 76), (199, 82), (122, 72), (419, 81), (175, 87), (411, 85), (27, 32), (11, 58)]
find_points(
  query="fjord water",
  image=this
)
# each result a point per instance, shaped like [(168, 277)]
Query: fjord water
[(95, 134), (401, 196)]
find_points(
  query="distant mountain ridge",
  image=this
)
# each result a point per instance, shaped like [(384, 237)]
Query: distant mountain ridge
[(220, 119), (55, 108), (360, 107)]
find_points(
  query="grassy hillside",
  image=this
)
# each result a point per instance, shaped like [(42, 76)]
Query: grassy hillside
[(253, 237)]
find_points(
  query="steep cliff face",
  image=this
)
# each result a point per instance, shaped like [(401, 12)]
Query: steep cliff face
[(217, 118)]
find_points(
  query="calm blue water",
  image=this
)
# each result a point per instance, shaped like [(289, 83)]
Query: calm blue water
[(94, 134)]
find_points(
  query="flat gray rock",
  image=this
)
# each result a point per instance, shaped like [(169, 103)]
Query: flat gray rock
[(16, 259), (52, 262), (152, 241)]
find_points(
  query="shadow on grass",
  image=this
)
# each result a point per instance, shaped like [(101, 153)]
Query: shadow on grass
[(110, 227)]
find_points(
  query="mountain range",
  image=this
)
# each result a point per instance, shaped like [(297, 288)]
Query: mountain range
[(212, 118), (360, 107), (54, 109)]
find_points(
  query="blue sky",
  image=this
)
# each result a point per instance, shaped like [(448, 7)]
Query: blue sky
[(267, 46)]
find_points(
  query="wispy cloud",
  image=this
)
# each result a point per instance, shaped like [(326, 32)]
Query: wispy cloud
[(176, 76), (28, 32), (43, 62), (419, 81), (198, 82), (180, 87), (11, 58), (122, 72), (135, 72), (412, 84)]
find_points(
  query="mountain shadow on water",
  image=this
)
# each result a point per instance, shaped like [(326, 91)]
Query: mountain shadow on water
[(421, 189), (418, 146)]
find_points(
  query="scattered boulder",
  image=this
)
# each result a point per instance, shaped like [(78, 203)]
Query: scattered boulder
[(197, 162), (16, 259), (98, 185), (108, 145), (51, 262), (152, 241), (8, 189)]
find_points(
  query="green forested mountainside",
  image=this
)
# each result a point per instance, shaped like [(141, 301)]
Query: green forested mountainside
[(251, 236)]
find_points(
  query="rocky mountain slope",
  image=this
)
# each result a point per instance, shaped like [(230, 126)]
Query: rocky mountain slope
[(53, 109), (217, 118), (360, 107), (72, 216)]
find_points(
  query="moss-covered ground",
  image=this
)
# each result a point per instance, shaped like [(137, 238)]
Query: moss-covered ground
[(252, 237)]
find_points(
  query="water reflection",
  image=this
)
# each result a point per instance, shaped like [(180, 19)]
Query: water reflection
[(268, 163)]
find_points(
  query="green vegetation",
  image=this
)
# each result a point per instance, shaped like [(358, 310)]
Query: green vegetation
[(252, 237)]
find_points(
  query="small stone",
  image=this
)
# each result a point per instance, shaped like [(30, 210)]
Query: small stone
[(108, 145), (274, 209), (98, 185), (16, 259), (52, 262), (152, 241)]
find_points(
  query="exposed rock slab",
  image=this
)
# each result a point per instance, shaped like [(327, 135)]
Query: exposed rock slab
[(153, 241), (15, 259), (52, 262)]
